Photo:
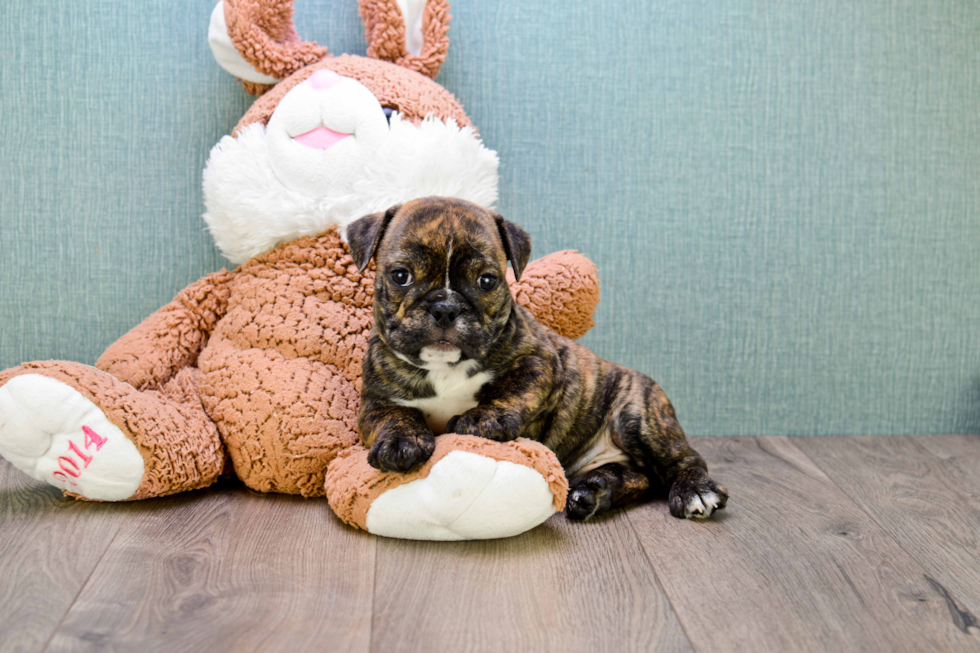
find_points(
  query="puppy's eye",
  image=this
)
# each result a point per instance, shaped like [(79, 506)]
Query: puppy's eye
[(400, 277), (388, 111), (488, 282)]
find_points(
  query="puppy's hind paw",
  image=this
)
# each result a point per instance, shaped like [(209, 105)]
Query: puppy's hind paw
[(695, 495)]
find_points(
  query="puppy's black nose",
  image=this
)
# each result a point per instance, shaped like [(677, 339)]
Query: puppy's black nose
[(445, 313)]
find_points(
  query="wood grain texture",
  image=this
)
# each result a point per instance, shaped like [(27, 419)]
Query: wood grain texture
[(947, 447), (226, 569), (563, 587), (827, 544), (960, 455), (925, 492), (49, 545), (792, 564)]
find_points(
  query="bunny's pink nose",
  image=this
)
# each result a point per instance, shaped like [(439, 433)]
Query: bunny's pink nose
[(324, 79)]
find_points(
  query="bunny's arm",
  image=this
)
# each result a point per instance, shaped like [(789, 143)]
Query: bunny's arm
[(561, 290), (171, 338)]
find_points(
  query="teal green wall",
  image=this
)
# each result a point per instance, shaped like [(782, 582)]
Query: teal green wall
[(783, 198)]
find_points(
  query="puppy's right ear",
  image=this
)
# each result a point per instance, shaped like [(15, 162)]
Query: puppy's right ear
[(364, 235)]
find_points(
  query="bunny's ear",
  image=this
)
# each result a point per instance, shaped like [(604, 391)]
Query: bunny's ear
[(256, 41), (410, 33)]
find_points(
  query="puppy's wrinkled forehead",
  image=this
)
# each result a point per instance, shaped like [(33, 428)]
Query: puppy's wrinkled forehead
[(436, 228)]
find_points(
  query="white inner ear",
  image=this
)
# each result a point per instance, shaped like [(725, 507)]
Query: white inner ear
[(412, 15), (225, 52)]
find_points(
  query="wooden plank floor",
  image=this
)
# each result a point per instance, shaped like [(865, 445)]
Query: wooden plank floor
[(828, 544)]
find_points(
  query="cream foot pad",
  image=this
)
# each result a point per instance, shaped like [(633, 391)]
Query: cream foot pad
[(55, 434)]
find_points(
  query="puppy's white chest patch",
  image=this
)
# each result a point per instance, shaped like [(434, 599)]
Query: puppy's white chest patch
[(455, 393)]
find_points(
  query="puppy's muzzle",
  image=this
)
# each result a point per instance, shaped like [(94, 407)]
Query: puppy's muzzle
[(445, 307), (445, 313)]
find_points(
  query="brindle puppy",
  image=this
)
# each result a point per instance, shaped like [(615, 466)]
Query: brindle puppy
[(452, 352)]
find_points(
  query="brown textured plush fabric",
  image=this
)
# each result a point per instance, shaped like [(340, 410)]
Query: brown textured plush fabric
[(263, 364), (171, 338), (561, 290), (263, 33), (384, 28), (281, 374), (255, 88), (353, 485)]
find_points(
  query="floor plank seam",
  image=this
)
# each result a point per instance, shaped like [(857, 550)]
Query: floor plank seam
[(850, 498), (656, 577), (81, 589)]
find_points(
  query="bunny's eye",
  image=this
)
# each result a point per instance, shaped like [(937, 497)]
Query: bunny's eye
[(388, 111)]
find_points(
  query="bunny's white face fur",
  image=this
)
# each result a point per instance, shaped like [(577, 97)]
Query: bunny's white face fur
[(273, 184), (355, 126)]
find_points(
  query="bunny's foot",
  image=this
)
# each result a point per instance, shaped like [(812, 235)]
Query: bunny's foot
[(86, 432), (53, 433)]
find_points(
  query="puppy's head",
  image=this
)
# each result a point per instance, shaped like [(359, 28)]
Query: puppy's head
[(440, 291)]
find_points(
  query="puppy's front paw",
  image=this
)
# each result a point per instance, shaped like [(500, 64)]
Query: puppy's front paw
[(588, 497), (487, 422), (401, 453), (695, 495)]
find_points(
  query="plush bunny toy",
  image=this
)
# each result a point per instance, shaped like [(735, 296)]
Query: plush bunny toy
[(256, 371)]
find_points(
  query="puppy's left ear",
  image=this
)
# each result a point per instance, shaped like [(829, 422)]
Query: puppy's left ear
[(364, 235), (517, 244)]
